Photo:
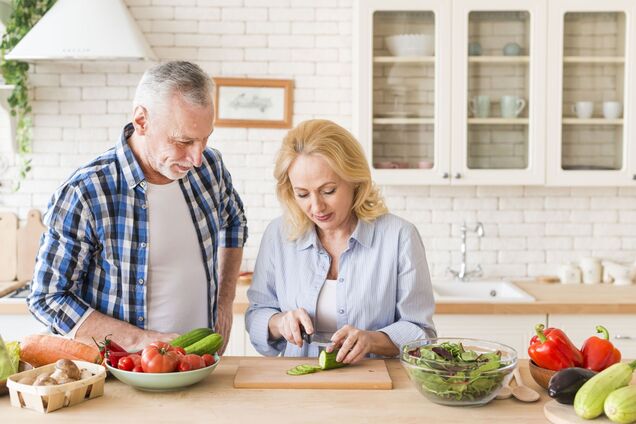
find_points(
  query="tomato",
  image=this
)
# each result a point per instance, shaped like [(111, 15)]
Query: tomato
[(126, 363), (193, 361), (180, 350), (208, 359), (138, 369), (184, 366), (136, 358), (159, 357)]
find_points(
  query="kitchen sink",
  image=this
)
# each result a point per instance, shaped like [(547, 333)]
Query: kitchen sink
[(479, 291)]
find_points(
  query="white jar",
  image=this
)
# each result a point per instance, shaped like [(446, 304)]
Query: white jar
[(591, 269), (570, 274)]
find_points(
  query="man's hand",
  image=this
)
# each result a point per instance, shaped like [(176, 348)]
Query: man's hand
[(223, 324)]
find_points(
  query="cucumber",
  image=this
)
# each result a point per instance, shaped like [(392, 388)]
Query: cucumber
[(327, 360), (303, 369), (589, 400), (620, 405), (191, 337), (209, 344)]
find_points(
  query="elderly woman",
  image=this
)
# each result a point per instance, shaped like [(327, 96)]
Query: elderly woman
[(337, 264)]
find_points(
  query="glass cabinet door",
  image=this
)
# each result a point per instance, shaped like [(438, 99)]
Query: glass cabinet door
[(403, 82), (498, 111), (590, 135)]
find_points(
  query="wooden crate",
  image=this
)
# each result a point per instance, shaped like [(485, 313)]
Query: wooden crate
[(50, 398)]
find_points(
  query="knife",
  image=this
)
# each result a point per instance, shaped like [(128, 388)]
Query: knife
[(314, 338)]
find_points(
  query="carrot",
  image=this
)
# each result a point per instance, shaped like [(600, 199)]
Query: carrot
[(43, 349)]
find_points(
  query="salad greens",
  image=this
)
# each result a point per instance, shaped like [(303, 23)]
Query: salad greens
[(450, 372), (9, 359)]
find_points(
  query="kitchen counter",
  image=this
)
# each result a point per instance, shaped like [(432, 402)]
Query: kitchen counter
[(550, 299), (216, 400)]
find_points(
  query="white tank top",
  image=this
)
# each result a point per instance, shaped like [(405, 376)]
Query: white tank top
[(176, 292), (326, 309)]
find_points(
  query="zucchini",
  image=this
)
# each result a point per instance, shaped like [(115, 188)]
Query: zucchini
[(303, 369), (209, 344), (327, 360), (589, 400), (620, 405), (191, 337)]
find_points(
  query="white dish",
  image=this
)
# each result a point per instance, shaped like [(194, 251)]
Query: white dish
[(410, 44)]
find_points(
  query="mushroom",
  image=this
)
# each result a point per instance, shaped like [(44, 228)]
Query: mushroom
[(68, 367), (44, 379), (28, 380)]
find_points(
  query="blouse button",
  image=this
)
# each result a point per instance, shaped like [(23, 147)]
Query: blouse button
[(341, 279), (341, 311)]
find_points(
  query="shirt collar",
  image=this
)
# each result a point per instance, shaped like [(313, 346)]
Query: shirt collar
[(363, 234), (130, 167)]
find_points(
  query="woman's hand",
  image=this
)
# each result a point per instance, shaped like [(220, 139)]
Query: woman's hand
[(354, 344), (287, 325)]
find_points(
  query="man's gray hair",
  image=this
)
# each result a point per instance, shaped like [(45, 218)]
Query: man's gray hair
[(160, 82)]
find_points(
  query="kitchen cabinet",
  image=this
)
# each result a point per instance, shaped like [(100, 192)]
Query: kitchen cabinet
[(590, 79), (512, 330), (622, 329)]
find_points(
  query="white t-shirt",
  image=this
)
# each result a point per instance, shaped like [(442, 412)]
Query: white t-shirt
[(176, 294), (326, 309)]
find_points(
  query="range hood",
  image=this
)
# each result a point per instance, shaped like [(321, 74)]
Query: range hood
[(84, 30)]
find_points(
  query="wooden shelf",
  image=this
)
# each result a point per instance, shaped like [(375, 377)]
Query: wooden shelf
[(400, 121), (404, 59), (498, 121), (498, 59), (593, 59), (592, 121)]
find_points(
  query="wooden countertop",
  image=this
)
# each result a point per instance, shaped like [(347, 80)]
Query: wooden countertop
[(216, 400), (550, 299)]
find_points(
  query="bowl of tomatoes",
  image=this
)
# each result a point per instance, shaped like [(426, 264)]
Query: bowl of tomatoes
[(161, 367)]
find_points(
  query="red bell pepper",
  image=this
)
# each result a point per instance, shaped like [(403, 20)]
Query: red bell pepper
[(553, 350), (599, 353)]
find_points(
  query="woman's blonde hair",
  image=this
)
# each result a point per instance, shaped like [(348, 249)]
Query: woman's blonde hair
[(344, 155)]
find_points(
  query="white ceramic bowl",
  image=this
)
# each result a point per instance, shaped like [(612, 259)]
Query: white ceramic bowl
[(410, 44), (162, 382)]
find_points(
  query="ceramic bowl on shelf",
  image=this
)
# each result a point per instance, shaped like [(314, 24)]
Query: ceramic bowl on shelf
[(410, 44), (540, 375), (455, 383)]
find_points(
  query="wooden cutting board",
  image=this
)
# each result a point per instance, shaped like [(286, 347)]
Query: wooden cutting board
[(558, 413), (8, 253), (28, 244), (270, 373)]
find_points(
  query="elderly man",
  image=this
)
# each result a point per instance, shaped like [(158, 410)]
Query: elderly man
[(132, 241)]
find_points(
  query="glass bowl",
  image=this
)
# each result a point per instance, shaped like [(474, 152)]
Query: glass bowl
[(475, 380)]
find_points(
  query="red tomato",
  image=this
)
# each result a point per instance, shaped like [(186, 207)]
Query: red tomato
[(126, 363), (193, 361), (136, 359), (180, 350), (208, 359), (159, 357), (184, 366), (138, 369)]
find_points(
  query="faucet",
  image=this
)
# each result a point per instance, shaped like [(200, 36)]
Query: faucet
[(462, 274)]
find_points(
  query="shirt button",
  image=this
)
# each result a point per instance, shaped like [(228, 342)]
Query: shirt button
[(140, 319), (144, 206), (341, 311), (143, 184), (143, 244), (140, 281)]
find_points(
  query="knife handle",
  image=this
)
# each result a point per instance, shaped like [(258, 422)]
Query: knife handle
[(304, 335)]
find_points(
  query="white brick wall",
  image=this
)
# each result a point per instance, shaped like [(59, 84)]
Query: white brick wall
[(80, 108)]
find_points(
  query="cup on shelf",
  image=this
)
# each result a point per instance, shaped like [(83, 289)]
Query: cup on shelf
[(474, 49), (512, 49), (591, 270), (570, 274), (584, 109), (612, 110), (425, 164), (480, 106), (511, 106)]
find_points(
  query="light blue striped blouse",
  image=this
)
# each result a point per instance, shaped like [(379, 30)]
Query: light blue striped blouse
[(383, 283)]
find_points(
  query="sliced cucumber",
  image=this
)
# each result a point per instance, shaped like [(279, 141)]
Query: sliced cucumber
[(303, 369), (327, 360)]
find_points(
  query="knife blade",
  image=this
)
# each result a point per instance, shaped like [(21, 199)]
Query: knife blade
[(314, 338)]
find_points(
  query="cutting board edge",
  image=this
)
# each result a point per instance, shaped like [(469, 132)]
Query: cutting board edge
[(313, 385)]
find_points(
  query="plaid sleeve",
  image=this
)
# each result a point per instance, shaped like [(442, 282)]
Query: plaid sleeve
[(232, 216), (65, 249)]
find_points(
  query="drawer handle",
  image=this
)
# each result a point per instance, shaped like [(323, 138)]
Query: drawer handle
[(619, 337)]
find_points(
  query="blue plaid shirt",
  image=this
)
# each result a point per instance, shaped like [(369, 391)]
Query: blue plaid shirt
[(94, 253)]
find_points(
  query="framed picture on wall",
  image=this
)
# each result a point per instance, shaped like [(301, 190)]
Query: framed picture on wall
[(255, 103)]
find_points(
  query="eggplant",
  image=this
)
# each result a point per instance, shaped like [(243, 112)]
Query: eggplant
[(564, 384)]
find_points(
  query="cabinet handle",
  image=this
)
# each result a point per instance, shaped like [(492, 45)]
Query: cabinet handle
[(619, 337), (458, 176), (445, 175), (634, 177)]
